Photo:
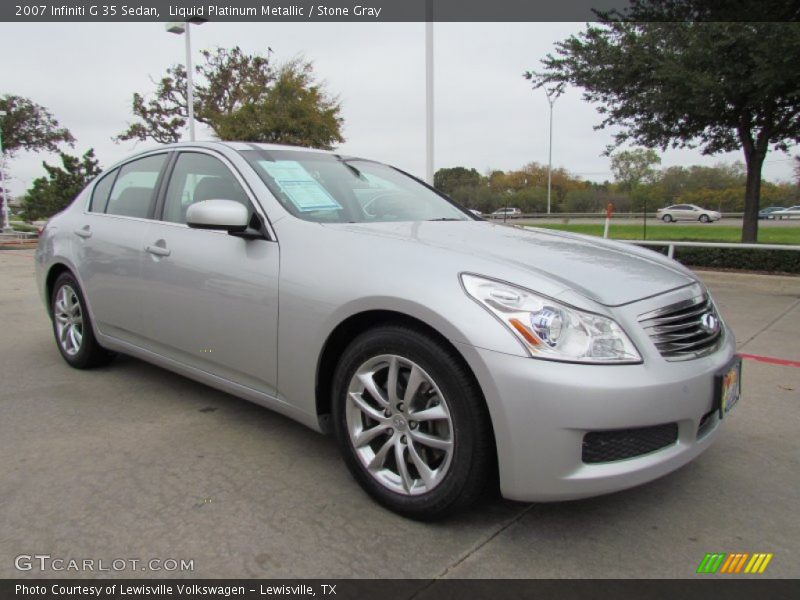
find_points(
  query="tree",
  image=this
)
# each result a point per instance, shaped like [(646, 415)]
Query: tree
[(29, 126), (449, 179), (48, 195), (721, 86), (296, 111), (632, 167), (244, 97)]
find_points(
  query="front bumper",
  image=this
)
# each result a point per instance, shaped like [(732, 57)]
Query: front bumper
[(541, 411)]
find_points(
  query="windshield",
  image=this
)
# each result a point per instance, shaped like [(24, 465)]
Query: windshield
[(330, 189)]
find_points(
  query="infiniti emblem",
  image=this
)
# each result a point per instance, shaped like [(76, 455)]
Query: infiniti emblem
[(709, 323), (399, 422)]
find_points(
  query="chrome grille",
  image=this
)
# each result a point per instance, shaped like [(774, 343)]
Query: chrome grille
[(687, 329)]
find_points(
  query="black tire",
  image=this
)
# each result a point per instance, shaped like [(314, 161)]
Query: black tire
[(91, 353), (667, 218), (704, 219), (472, 470)]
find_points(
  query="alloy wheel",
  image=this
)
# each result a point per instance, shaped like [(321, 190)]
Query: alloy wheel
[(68, 316), (399, 424)]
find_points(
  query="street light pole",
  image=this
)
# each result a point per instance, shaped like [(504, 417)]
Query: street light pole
[(189, 81), (184, 28), (6, 209), (551, 99), (429, 93)]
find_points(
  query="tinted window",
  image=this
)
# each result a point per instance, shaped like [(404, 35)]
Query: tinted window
[(101, 191), (197, 177), (134, 189)]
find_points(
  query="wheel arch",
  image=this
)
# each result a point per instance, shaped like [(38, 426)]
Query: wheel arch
[(355, 325), (53, 273)]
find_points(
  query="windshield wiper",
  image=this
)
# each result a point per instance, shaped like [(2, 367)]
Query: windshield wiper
[(446, 219)]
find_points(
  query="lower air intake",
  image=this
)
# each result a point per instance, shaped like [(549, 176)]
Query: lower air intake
[(619, 444)]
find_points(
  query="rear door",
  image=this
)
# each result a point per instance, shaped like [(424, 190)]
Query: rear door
[(210, 299), (108, 244)]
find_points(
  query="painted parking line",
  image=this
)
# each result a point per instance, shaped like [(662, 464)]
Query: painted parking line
[(784, 362)]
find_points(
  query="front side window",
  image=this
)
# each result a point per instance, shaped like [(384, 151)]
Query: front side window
[(330, 189), (135, 187), (197, 177)]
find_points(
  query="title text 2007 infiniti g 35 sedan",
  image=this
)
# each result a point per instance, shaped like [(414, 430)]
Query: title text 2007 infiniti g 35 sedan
[(444, 351)]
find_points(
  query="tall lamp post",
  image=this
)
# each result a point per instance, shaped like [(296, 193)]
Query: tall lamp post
[(6, 223), (552, 95), (180, 28), (429, 92)]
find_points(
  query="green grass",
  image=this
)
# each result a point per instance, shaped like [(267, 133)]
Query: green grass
[(24, 227), (686, 233)]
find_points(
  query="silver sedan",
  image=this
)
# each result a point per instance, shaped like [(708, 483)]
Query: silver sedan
[(449, 355), (687, 212)]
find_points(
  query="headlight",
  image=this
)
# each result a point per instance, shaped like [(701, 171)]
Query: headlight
[(549, 329)]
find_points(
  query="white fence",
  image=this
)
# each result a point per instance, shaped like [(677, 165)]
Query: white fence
[(672, 245)]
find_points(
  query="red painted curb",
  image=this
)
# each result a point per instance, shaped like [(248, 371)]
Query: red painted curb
[(771, 360)]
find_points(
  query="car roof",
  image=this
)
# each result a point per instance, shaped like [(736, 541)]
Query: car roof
[(217, 145)]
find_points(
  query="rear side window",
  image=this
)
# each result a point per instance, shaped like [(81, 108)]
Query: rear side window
[(102, 190), (135, 188)]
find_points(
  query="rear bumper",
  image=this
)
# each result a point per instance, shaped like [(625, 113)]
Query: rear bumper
[(541, 411)]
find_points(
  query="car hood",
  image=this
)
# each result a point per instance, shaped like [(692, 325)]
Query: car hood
[(610, 273)]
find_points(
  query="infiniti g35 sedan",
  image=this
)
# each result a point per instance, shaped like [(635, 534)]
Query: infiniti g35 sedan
[(449, 355)]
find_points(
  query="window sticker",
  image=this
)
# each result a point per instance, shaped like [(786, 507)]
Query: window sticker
[(305, 192)]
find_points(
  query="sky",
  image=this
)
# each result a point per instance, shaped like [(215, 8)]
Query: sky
[(486, 115)]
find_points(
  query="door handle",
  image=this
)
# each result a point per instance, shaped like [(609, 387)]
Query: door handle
[(85, 232), (158, 250)]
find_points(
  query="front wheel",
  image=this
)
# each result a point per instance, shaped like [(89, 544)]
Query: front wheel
[(667, 218), (72, 326), (411, 423), (704, 218)]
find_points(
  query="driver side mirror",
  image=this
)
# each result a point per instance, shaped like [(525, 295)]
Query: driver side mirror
[(225, 215)]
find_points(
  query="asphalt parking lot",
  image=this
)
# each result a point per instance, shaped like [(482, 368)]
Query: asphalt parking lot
[(132, 461)]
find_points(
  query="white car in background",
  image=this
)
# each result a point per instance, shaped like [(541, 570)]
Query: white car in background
[(510, 213), (786, 213), (687, 212)]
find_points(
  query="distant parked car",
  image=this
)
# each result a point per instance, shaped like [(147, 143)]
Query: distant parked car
[(477, 213), (767, 213), (687, 212), (787, 213), (511, 213)]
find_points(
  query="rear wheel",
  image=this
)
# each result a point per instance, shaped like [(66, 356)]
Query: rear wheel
[(72, 326), (411, 423), (667, 218), (704, 218)]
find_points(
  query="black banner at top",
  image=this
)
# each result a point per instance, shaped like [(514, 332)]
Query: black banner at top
[(394, 10)]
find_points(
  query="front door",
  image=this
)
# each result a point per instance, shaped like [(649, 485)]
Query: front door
[(210, 299)]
